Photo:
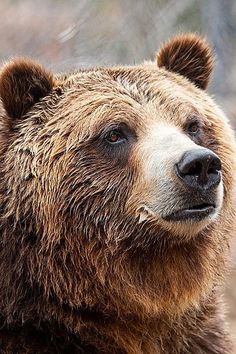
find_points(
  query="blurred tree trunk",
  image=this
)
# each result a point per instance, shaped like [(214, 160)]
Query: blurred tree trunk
[(218, 25)]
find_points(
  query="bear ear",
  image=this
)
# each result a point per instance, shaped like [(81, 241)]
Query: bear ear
[(188, 55), (23, 82)]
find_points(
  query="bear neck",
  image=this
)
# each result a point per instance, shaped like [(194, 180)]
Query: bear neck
[(95, 333)]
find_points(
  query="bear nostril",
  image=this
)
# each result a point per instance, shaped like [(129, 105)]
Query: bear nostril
[(195, 169), (199, 168), (214, 166)]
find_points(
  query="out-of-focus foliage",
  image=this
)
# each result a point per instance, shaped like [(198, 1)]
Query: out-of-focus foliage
[(67, 34)]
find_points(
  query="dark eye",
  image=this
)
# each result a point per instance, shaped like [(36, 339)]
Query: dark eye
[(115, 136), (193, 128)]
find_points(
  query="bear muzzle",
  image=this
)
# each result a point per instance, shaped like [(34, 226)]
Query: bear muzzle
[(199, 170), (180, 181)]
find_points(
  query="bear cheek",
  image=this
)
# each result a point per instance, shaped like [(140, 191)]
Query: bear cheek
[(159, 191), (156, 157)]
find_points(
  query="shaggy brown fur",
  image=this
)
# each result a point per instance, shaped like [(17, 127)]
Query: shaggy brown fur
[(189, 56), (23, 83), (82, 269)]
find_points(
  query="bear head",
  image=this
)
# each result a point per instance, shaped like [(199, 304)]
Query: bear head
[(116, 188)]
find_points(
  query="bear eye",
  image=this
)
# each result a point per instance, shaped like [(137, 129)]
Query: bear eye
[(115, 136), (193, 128)]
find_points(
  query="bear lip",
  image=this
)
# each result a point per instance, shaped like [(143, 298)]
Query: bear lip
[(193, 213)]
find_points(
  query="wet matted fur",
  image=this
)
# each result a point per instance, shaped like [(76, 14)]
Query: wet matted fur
[(89, 263)]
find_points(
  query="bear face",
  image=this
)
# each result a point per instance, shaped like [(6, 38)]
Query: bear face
[(116, 188)]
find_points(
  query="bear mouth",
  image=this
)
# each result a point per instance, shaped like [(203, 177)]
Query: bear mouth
[(193, 213)]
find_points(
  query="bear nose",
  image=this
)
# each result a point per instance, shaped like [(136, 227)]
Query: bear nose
[(199, 169)]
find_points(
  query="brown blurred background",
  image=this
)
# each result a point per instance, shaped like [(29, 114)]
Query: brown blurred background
[(67, 34)]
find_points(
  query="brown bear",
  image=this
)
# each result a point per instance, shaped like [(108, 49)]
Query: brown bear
[(116, 207)]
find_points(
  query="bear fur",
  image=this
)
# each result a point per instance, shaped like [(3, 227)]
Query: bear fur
[(87, 262)]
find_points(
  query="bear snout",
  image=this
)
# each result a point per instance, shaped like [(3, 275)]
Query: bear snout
[(199, 169)]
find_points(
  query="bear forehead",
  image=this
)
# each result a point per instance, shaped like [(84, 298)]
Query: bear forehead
[(135, 93), (145, 82)]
